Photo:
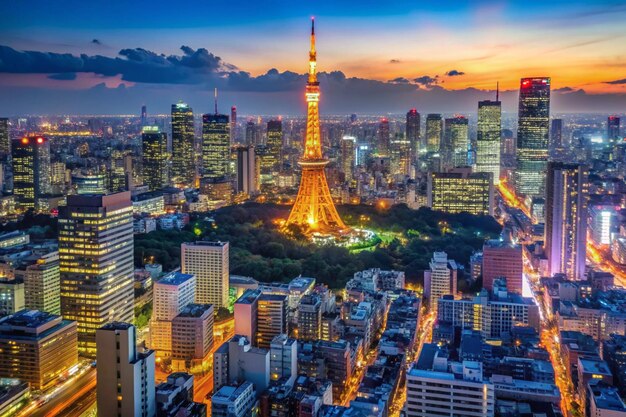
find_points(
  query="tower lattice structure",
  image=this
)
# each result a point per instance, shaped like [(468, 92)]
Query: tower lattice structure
[(314, 207)]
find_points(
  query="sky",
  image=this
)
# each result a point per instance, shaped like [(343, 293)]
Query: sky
[(110, 57)]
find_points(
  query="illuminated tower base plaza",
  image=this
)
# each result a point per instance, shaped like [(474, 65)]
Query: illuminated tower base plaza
[(314, 209)]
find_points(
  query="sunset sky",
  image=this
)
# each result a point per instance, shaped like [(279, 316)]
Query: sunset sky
[(402, 52)]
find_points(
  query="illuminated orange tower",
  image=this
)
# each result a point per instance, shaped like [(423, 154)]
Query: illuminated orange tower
[(314, 207)]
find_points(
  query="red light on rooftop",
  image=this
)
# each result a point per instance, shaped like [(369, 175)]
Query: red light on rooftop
[(25, 141), (39, 139)]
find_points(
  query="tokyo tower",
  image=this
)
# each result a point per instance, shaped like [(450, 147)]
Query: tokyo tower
[(314, 209)]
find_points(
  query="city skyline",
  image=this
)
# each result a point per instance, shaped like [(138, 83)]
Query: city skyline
[(395, 56)]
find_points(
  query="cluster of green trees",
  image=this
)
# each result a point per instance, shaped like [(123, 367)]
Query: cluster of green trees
[(260, 249)]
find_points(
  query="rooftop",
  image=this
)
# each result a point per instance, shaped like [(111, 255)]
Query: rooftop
[(175, 278), (195, 310)]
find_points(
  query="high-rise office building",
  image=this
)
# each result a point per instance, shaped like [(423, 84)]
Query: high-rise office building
[(284, 359), (246, 311), (275, 143), (348, 155), (154, 158), (310, 318), (5, 141), (456, 142), (170, 295), (567, 192), (556, 134), (31, 170), (460, 190), (144, 115), (488, 142), (96, 263), (247, 174), (12, 296), (37, 347), (215, 146), (125, 380), (413, 132), (613, 129), (400, 153), (532, 136), (440, 280), (272, 318), (434, 132), (209, 262), (384, 137), (192, 335), (252, 134), (183, 135), (233, 124), (502, 259), (42, 290)]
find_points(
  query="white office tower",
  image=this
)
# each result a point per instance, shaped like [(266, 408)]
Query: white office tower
[(440, 280), (125, 381), (284, 359), (171, 294), (208, 261), (449, 389)]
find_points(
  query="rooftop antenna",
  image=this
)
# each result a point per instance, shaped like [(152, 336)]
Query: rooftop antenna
[(215, 94), (497, 90)]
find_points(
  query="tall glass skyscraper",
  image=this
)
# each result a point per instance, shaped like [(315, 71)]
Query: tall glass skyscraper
[(613, 129), (275, 143), (456, 142), (215, 145), (532, 136), (566, 219), (31, 170), (384, 137), (434, 130), (5, 143), (154, 160), (488, 138), (96, 263), (413, 132), (183, 167)]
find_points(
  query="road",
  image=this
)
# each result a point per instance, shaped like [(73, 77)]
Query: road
[(70, 392), (424, 334), (549, 332)]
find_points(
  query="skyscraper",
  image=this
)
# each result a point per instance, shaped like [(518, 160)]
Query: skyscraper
[(400, 153), (42, 284), (209, 262), (215, 145), (532, 136), (154, 158), (31, 170), (275, 143), (125, 380), (556, 133), (348, 155), (233, 124), (456, 142), (247, 175), (272, 318), (413, 132), (613, 129), (314, 207), (5, 142), (183, 167), (96, 263), (460, 190), (252, 134), (440, 280), (488, 138), (144, 115), (434, 131), (502, 259), (566, 219), (384, 137)]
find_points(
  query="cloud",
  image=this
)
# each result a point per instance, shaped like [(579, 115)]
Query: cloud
[(564, 90), (96, 42), (454, 73), (135, 65), (622, 81), (426, 80), (63, 76), (394, 61), (399, 80)]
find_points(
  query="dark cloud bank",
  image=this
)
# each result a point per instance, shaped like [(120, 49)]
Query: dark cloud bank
[(161, 80)]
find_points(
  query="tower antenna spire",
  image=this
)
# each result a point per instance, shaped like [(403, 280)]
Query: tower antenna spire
[(497, 90), (312, 55), (215, 97)]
